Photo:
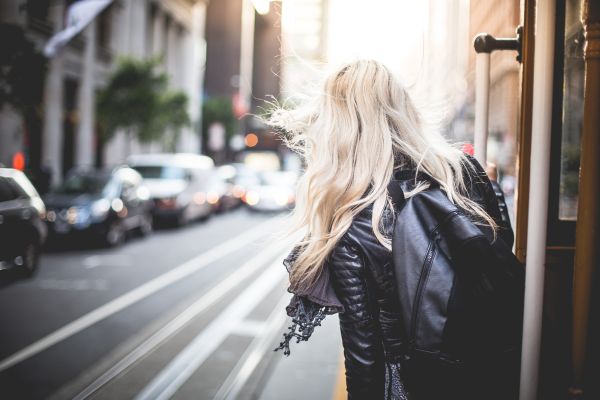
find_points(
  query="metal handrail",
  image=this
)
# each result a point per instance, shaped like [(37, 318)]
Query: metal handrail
[(484, 45)]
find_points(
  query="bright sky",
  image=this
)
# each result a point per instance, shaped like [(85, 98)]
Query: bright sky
[(388, 30)]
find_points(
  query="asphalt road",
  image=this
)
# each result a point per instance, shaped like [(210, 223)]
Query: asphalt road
[(190, 313)]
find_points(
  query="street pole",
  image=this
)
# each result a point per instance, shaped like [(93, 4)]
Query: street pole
[(482, 100), (86, 101), (541, 125), (199, 69), (52, 139), (246, 53)]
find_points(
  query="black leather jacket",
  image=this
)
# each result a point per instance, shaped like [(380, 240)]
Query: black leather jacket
[(362, 277)]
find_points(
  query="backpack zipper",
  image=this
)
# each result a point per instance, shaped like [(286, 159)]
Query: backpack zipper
[(430, 255)]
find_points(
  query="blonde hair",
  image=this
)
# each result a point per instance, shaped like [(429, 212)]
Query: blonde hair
[(351, 139)]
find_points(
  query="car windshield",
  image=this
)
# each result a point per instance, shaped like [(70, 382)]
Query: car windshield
[(160, 172), (247, 180), (278, 178), (84, 184)]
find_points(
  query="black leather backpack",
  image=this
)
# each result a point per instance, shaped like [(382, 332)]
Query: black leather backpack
[(461, 295)]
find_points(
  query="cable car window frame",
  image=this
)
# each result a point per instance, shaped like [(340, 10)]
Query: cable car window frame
[(561, 232)]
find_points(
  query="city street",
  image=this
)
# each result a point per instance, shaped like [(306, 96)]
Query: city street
[(190, 313), (151, 150)]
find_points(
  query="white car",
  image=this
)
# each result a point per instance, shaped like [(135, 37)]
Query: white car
[(178, 184), (274, 192)]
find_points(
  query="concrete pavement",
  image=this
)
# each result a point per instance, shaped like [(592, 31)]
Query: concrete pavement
[(312, 369), (185, 314)]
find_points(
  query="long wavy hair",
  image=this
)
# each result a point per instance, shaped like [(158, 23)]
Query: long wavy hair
[(351, 138)]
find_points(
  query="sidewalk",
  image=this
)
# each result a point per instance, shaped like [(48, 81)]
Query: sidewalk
[(312, 370)]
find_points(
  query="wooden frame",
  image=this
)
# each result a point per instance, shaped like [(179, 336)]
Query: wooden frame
[(524, 133)]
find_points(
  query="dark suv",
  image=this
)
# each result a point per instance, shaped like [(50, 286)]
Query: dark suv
[(100, 204), (22, 227)]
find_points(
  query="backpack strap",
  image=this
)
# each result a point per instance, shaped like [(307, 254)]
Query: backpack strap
[(395, 189), (396, 193)]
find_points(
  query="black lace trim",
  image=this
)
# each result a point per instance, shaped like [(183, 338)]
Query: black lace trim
[(306, 316)]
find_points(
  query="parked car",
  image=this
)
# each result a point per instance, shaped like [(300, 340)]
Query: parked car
[(22, 227), (230, 194), (179, 185), (104, 204), (244, 178), (274, 192)]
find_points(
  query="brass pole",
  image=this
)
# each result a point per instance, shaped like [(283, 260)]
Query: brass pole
[(587, 236), (524, 133)]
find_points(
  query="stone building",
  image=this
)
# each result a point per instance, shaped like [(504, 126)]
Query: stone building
[(67, 137), (243, 67)]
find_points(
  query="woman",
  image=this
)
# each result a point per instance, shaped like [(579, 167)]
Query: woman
[(362, 132)]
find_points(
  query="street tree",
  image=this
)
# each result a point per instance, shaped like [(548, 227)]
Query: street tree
[(22, 70), (218, 110), (137, 100), (22, 73)]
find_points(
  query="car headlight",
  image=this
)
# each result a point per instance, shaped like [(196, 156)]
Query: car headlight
[(51, 216), (212, 197), (78, 216), (252, 198), (143, 193), (199, 198), (281, 198), (117, 205), (99, 209)]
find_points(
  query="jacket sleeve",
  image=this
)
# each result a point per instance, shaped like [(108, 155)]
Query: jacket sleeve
[(361, 337)]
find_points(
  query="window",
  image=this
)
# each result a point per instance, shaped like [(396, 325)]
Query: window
[(161, 172), (7, 190), (83, 184), (572, 111)]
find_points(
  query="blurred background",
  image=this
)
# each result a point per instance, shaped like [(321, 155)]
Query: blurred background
[(140, 195)]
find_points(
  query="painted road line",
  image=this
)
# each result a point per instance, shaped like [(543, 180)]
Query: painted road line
[(182, 319), (179, 370), (249, 327), (113, 260), (137, 294), (263, 343)]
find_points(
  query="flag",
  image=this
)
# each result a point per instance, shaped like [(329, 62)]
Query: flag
[(79, 15)]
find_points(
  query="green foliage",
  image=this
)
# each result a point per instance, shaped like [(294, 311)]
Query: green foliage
[(219, 109), (136, 99), (22, 70), (173, 114)]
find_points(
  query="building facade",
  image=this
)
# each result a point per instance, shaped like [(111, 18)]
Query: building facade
[(304, 45), (448, 92), (242, 71), (499, 19), (444, 91), (172, 30)]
